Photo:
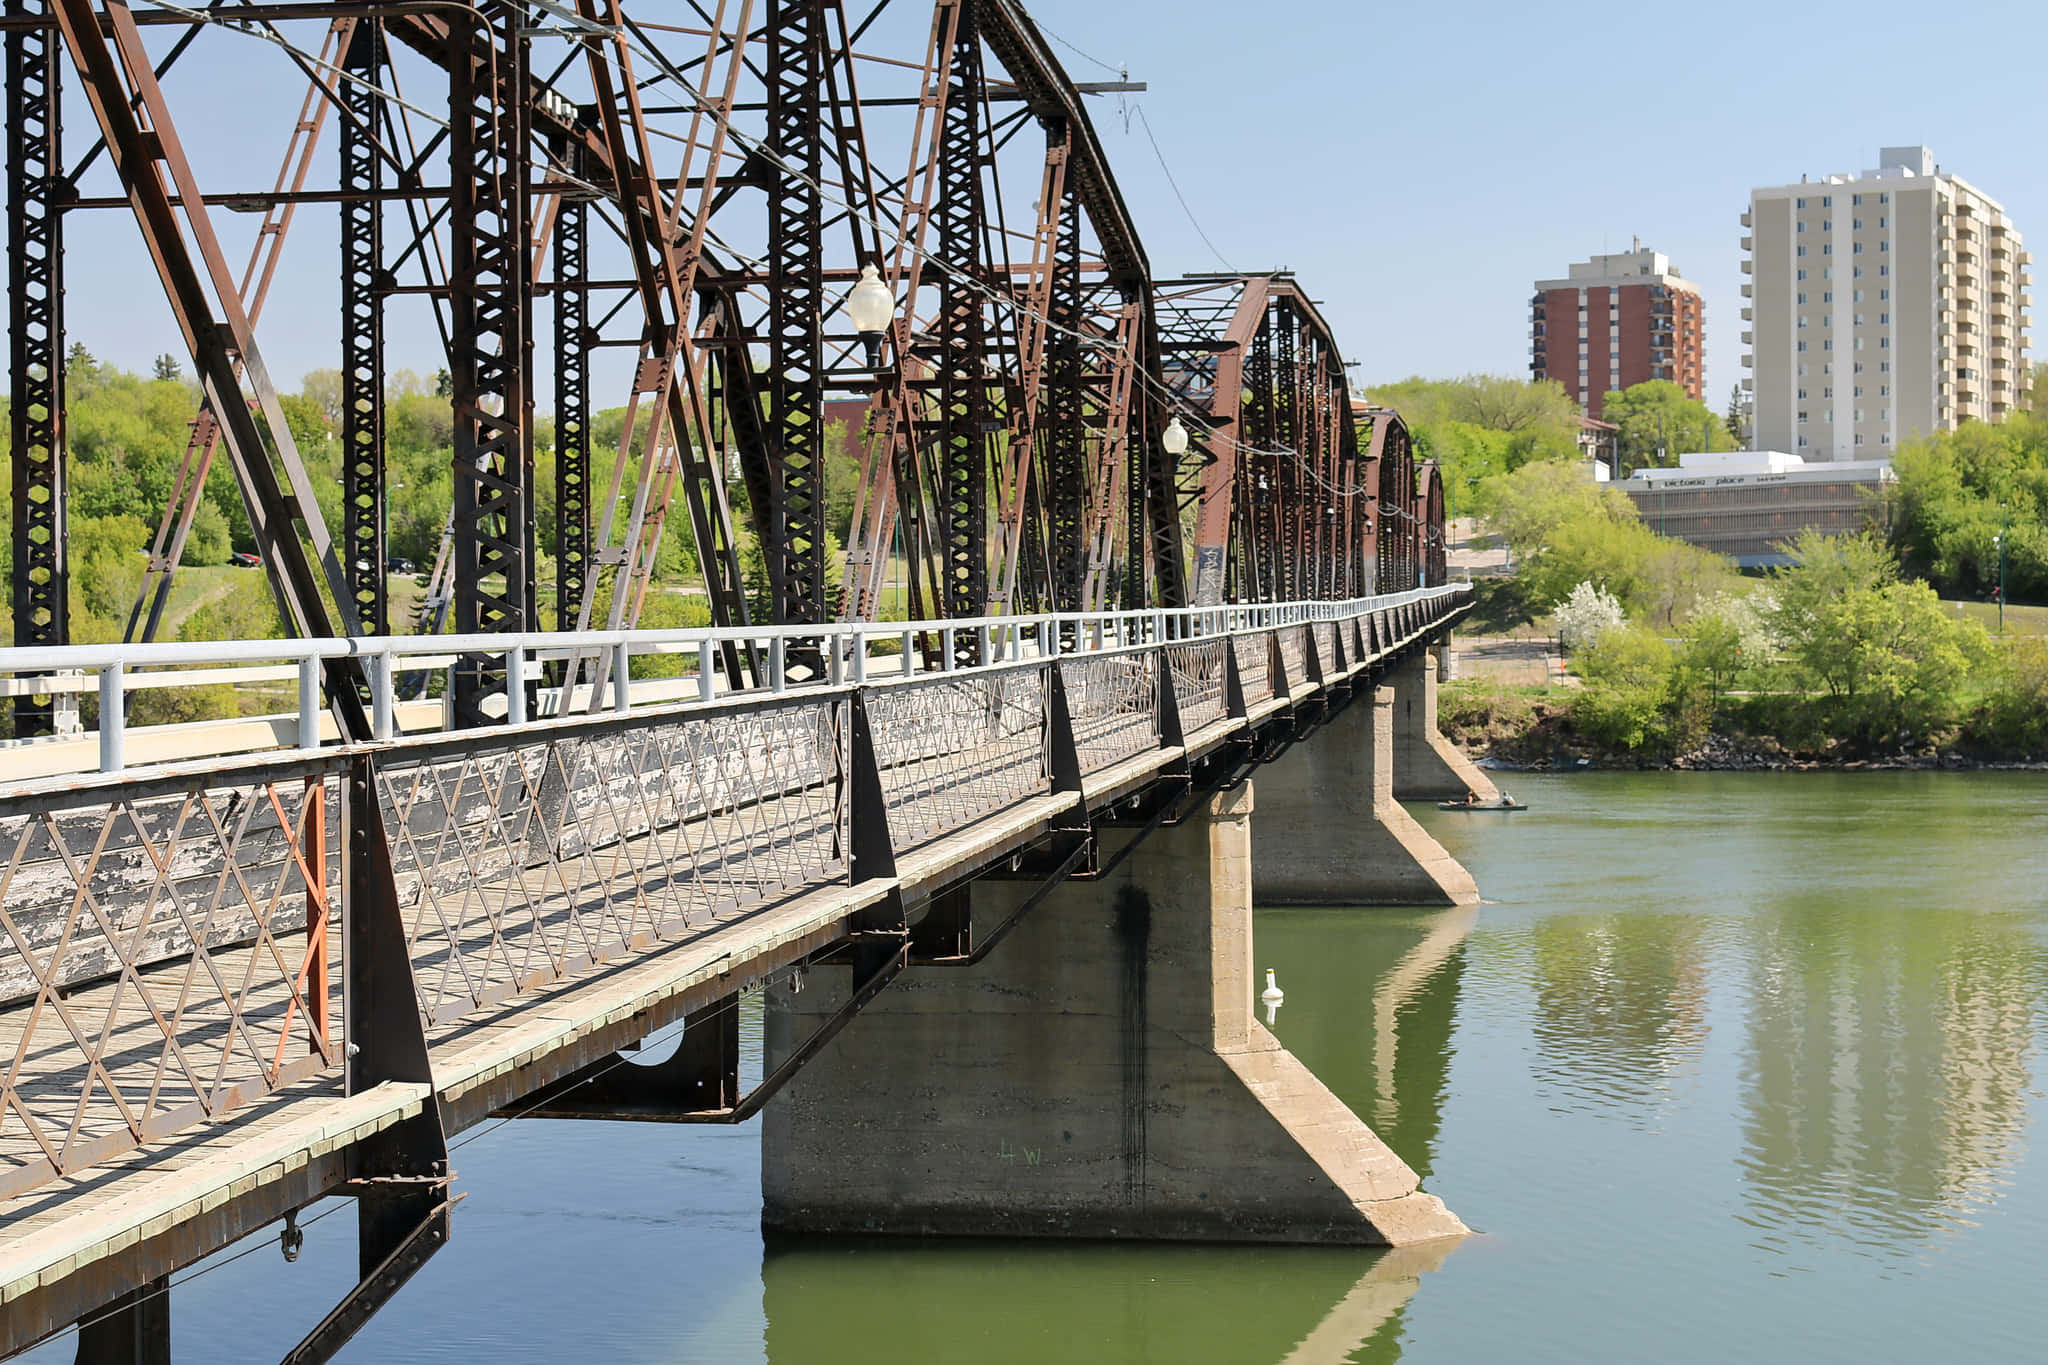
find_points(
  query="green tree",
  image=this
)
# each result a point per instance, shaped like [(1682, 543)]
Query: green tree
[(1736, 419), (1890, 660), (166, 368), (1658, 421)]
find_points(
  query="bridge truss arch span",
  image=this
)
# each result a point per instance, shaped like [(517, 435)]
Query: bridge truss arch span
[(670, 214)]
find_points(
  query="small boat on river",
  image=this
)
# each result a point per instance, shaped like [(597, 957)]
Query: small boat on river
[(1504, 803)]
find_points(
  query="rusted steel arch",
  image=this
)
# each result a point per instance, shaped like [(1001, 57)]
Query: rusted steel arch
[(1282, 507), (1431, 531)]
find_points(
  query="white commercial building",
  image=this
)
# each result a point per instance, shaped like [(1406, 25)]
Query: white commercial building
[(1881, 307)]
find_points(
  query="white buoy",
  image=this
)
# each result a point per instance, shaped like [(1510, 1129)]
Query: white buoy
[(1272, 995)]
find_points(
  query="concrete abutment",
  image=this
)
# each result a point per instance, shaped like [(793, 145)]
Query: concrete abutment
[(1331, 832), (1428, 767), (1100, 1074)]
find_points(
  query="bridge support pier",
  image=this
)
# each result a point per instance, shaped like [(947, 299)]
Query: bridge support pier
[(1332, 832), (1100, 1074), (1428, 767)]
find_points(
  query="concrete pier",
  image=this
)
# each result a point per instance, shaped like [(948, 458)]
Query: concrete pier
[(1100, 1074), (1428, 767), (1331, 831)]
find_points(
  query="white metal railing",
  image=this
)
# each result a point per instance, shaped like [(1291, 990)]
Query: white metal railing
[(848, 648)]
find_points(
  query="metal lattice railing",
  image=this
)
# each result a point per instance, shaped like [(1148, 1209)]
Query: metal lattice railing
[(1294, 654), (1326, 645), (1254, 666), (520, 861), (166, 958), (1114, 700), (952, 748), (171, 941), (1198, 669)]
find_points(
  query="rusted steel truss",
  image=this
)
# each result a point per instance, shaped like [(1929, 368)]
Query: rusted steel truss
[(690, 201), (35, 358)]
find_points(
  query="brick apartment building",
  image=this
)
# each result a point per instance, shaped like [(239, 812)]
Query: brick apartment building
[(1616, 321)]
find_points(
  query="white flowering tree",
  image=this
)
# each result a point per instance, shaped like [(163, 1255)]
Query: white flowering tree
[(1589, 613), (1729, 633)]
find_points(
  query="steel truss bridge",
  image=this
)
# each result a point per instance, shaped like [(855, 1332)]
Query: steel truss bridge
[(1144, 538)]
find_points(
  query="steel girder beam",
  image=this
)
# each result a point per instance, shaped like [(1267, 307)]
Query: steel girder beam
[(1066, 472), (572, 409), (35, 362), (491, 306), (792, 523), (364, 516), (151, 164), (961, 341)]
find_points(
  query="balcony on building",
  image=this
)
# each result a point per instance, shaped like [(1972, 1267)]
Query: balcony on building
[(1745, 219)]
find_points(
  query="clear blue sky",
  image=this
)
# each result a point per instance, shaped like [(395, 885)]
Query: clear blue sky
[(1418, 165)]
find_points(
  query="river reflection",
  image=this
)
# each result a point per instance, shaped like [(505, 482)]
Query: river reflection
[(1729, 1067), (1887, 1069), (1028, 1303)]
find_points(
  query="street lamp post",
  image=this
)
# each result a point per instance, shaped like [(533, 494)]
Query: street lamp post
[(2004, 533)]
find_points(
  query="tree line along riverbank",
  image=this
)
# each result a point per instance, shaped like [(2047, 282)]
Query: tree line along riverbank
[(1672, 658)]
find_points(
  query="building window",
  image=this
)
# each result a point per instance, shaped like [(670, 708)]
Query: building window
[(1858, 393), (1802, 319), (1802, 366), (1802, 349), (1884, 438), (1800, 226), (1859, 414), (1856, 201), (1802, 300), (1884, 270), (1857, 223), (1884, 414), (1802, 203), (1827, 272), (1884, 246), (1827, 344), (1802, 415), (1802, 274), (1827, 201), (1859, 316), (1802, 395), (1827, 248), (1884, 199), (1827, 296), (1884, 343), (1855, 248), (1882, 223), (1802, 443), (1884, 367), (1884, 390), (1828, 391), (1883, 294), (1884, 319), (1859, 438), (1857, 297)]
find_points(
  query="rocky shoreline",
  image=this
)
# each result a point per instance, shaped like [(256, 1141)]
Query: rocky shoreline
[(1725, 754)]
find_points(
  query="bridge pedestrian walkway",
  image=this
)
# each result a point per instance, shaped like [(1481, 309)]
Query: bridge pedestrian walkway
[(170, 999)]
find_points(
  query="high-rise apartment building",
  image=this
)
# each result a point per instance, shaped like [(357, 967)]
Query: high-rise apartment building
[(1616, 321), (1880, 307)]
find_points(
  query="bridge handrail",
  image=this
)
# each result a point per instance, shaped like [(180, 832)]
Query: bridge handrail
[(114, 669)]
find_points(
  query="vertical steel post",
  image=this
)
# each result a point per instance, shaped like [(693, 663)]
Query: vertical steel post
[(572, 409), (962, 342), (792, 525), (364, 516), (35, 332), (491, 297)]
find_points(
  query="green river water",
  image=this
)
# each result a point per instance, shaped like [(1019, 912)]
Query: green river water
[(1730, 1067)]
